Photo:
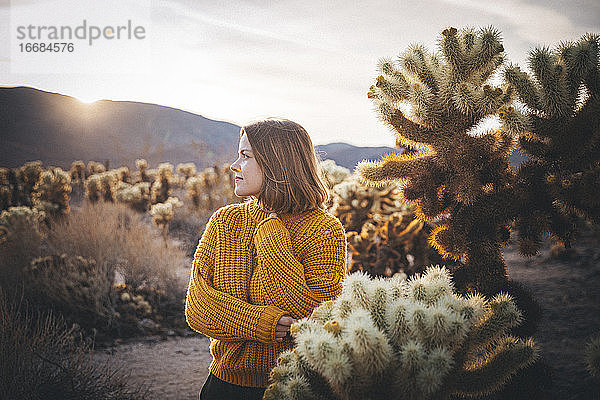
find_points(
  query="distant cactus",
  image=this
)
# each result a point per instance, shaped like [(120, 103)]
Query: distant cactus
[(161, 188), (92, 188), (163, 213), (398, 339), (8, 186), (51, 192), (458, 180), (562, 177), (95, 167), (123, 174), (211, 188), (187, 170), (28, 175), (142, 166), (136, 196), (77, 173), (332, 173), (355, 203), (101, 186)]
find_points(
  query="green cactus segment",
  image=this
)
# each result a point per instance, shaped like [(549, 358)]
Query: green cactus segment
[(401, 339)]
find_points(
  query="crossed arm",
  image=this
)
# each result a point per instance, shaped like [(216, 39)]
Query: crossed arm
[(218, 314), (295, 286)]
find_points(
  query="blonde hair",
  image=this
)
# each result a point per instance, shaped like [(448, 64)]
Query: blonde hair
[(292, 177)]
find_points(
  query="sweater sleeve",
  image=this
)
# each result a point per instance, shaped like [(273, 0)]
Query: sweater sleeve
[(218, 314), (295, 286)]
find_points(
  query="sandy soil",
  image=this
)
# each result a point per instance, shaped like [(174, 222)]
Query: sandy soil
[(568, 291)]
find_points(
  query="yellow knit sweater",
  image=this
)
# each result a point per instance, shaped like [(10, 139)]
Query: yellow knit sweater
[(249, 270)]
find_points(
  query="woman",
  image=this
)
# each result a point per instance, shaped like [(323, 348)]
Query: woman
[(262, 264)]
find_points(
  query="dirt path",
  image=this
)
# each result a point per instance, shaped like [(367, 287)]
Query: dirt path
[(173, 369), (567, 290)]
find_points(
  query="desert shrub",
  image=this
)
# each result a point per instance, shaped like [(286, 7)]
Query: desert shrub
[(77, 288), (21, 242), (51, 192), (40, 359), (114, 234), (402, 339)]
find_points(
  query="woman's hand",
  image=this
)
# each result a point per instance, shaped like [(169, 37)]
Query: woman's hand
[(283, 327)]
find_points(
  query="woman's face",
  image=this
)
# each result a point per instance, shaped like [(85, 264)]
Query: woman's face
[(248, 175)]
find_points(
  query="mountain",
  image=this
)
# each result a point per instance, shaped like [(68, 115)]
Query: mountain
[(58, 129)]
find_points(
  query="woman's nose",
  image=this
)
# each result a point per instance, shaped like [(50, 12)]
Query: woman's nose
[(234, 168)]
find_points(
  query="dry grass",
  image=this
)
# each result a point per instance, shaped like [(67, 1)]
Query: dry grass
[(40, 359), (113, 234)]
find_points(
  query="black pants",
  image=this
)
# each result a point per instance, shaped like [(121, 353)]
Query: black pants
[(216, 389)]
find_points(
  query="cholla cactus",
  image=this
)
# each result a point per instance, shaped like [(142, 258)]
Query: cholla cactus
[(77, 173), (142, 166), (136, 196), (398, 339), (95, 167), (51, 192), (457, 180), (123, 174), (355, 203), (161, 188), (163, 213), (92, 188), (8, 186), (562, 177), (332, 173), (28, 175), (16, 219), (593, 356), (211, 188), (383, 236), (187, 170), (101, 186)]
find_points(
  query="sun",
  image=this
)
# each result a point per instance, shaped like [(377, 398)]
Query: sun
[(87, 100)]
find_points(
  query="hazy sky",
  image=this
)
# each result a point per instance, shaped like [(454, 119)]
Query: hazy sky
[(309, 61)]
